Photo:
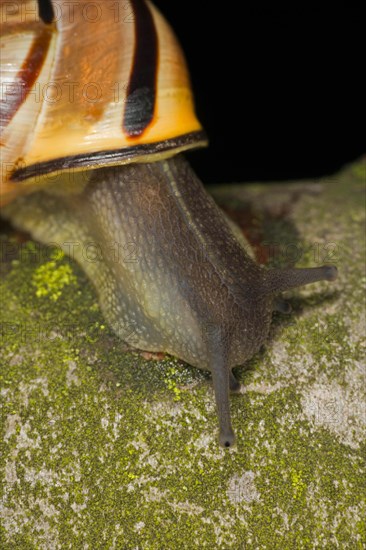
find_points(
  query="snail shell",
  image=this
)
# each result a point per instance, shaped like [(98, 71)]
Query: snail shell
[(89, 89)]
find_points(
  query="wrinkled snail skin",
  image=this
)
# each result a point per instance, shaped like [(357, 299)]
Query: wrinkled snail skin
[(186, 286), (171, 273)]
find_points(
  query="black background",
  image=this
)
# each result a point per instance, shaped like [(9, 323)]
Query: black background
[(279, 91)]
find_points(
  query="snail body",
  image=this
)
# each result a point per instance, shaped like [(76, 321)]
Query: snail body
[(187, 287)]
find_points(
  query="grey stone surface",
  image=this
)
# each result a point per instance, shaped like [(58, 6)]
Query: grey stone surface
[(103, 448)]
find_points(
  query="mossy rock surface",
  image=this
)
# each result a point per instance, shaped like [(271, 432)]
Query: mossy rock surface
[(103, 448)]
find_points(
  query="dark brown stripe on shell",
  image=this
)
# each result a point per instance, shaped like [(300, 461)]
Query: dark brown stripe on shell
[(45, 10), (26, 77), (141, 92), (106, 158)]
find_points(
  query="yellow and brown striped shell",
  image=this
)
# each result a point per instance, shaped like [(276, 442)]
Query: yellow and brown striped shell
[(89, 84)]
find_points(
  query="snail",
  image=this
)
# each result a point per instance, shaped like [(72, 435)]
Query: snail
[(97, 111)]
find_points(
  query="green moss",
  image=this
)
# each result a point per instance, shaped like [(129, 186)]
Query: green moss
[(50, 278), (297, 483), (359, 170)]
